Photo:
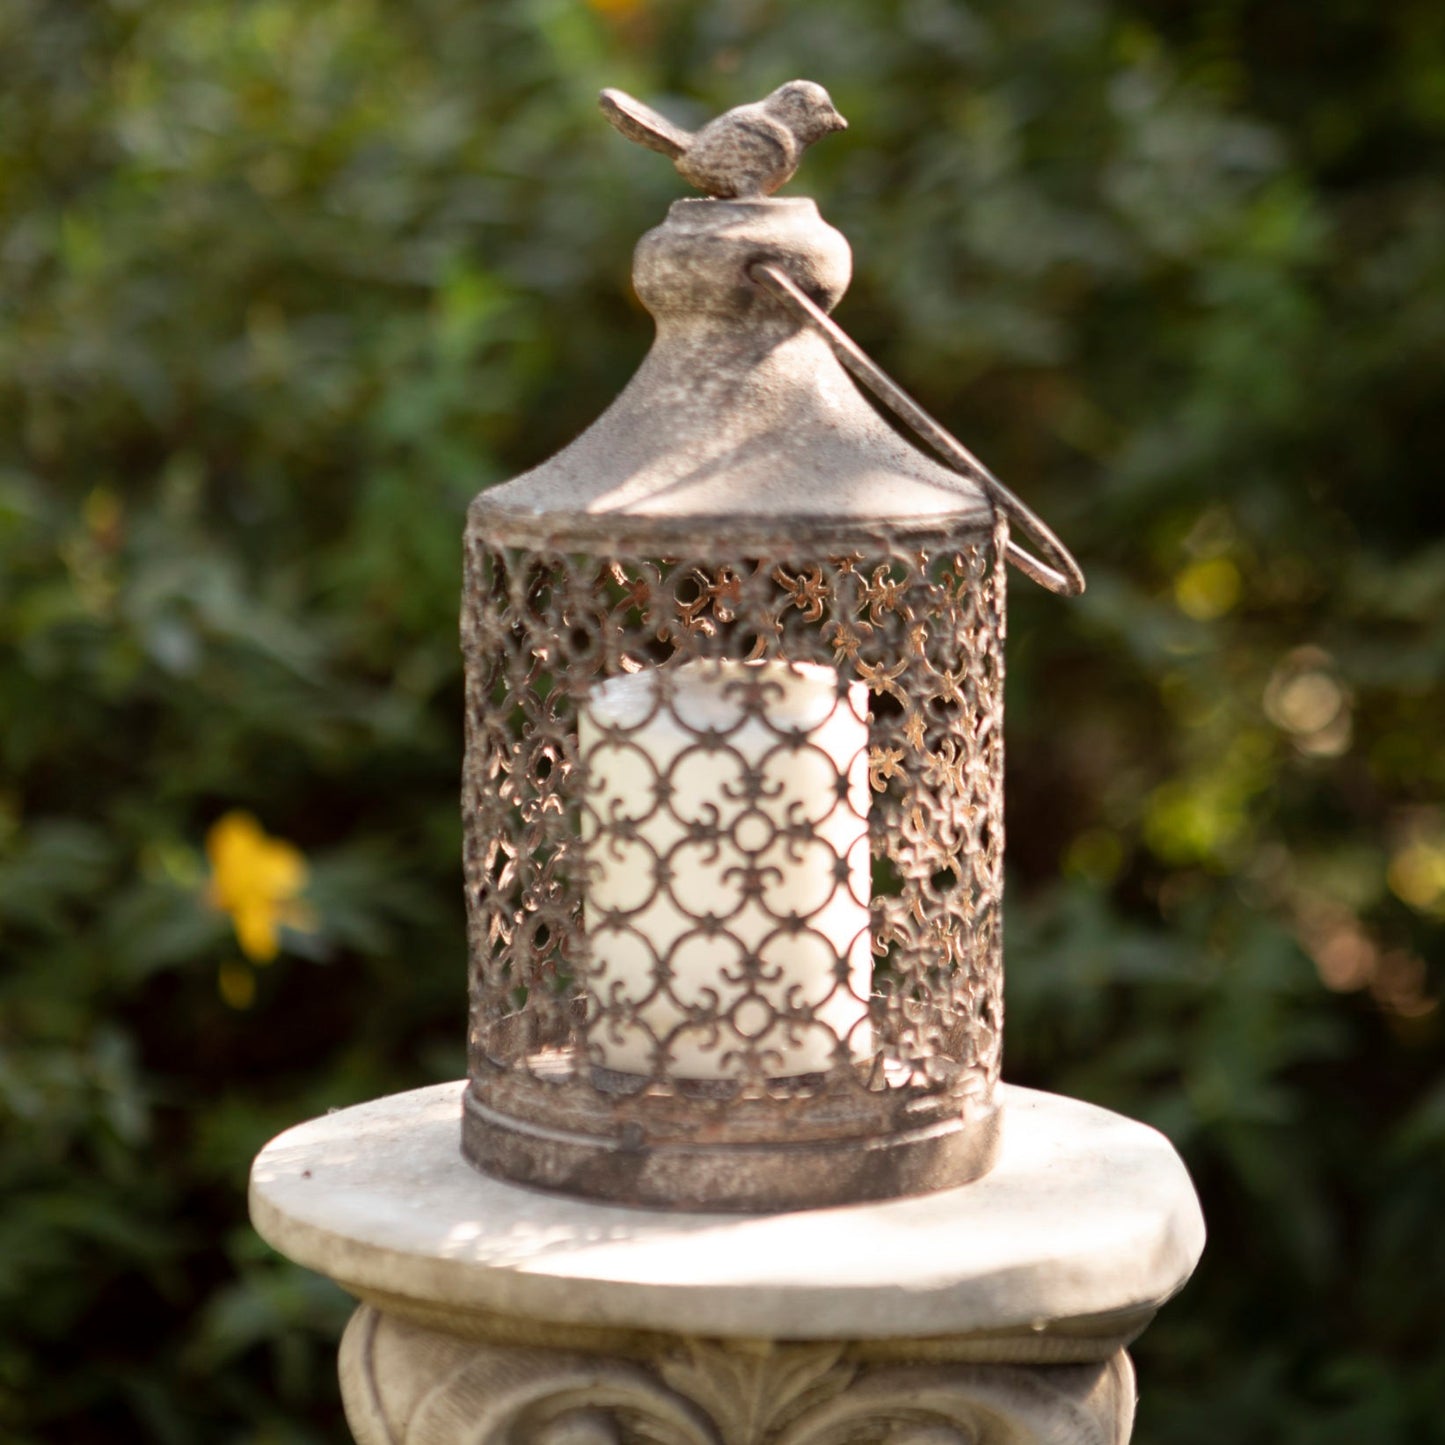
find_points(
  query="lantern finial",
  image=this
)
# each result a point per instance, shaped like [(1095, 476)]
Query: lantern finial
[(747, 152)]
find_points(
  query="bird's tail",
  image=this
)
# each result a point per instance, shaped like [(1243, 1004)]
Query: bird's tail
[(644, 125)]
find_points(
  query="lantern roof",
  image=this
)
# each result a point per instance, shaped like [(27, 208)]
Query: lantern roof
[(740, 414)]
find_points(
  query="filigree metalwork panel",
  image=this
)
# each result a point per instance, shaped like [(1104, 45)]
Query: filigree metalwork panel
[(733, 835)]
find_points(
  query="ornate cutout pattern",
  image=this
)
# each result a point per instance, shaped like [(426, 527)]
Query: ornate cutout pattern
[(901, 1023)]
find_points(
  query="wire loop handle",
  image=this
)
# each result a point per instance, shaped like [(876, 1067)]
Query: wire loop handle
[(1060, 573)]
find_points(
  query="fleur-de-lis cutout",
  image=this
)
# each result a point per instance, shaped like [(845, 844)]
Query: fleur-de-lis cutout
[(883, 764), (807, 591), (844, 641), (946, 767), (913, 731), (881, 678), (882, 593)]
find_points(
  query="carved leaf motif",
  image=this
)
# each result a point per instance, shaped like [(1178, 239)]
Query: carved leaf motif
[(407, 1385), (751, 1395), (977, 1405)]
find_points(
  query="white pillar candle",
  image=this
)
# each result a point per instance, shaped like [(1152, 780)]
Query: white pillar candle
[(697, 736)]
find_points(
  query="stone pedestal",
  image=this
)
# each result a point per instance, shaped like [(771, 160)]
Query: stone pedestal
[(993, 1314)]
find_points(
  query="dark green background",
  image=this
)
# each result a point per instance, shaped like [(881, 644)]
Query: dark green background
[(286, 283)]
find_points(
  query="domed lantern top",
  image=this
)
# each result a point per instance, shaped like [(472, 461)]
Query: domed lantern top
[(733, 789), (739, 413)]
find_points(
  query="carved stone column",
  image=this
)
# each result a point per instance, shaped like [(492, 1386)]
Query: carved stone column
[(993, 1314)]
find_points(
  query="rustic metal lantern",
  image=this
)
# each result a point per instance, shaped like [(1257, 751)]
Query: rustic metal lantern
[(733, 790)]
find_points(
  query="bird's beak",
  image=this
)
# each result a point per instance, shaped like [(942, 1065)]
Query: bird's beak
[(836, 122)]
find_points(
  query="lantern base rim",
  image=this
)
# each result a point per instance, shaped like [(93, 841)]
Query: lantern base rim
[(732, 1178)]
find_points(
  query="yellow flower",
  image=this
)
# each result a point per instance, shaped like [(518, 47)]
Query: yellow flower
[(258, 880)]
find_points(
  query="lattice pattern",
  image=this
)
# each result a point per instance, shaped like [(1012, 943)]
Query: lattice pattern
[(734, 836)]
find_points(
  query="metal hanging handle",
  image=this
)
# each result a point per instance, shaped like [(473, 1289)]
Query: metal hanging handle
[(1060, 573)]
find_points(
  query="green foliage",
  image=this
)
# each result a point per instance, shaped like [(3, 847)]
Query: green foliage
[(286, 284)]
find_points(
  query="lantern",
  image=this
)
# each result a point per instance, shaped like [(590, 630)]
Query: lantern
[(733, 795)]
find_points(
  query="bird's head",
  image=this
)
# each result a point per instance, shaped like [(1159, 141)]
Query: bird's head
[(806, 109)]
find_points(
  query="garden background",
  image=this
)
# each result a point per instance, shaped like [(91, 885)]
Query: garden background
[(285, 283)]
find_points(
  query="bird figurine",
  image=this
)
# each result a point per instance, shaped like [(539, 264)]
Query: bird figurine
[(749, 151)]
